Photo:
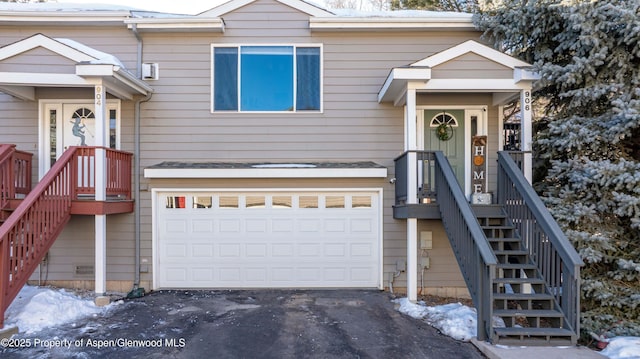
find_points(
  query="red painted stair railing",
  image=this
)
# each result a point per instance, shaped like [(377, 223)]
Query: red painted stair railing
[(15, 173), (33, 227)]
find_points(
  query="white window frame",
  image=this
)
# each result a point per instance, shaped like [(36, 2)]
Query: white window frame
[(296, 45)]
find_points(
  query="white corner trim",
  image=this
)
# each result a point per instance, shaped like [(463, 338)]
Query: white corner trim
[(473, 47), (48, 43), (266, 173)]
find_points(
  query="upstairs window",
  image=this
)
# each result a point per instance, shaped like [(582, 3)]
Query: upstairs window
[(266, 78)]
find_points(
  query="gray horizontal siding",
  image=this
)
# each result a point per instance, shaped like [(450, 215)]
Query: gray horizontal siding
[(177, 123), (471, 66)]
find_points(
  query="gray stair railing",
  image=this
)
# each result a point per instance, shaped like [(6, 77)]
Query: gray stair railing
[(550, 250), (474, 255)]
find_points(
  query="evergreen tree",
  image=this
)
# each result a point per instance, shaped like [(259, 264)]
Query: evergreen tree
[(588, 55)]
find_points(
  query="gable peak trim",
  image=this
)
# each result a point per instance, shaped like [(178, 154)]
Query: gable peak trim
[(471, 46), (40, 40), (300, 5)]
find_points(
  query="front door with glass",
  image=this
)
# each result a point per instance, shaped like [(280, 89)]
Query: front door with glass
[(73, 124), (444, 131)]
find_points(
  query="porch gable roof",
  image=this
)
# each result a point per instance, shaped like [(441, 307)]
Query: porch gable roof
[(89, 65), (418, 75)]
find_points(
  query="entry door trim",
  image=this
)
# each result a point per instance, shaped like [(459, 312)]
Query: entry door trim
[(46, 105), (480, 111)]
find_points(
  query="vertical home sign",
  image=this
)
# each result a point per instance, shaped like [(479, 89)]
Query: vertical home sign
[(479, 164)]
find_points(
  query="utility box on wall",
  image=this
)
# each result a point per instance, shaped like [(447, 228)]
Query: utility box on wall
[(150, 71), (426, 240)]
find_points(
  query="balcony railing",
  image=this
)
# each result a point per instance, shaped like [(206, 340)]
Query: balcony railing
[(118, 173), (425, 176), (548, 247)]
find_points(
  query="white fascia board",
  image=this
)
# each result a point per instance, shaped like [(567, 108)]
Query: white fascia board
[(122, 78), (199, 24), (48, 43), (42, 79), (266, 173), (94, 70), (55, 18), (389, 23), (473, 47), (525, 74), (483, 85), (397, 80), (131, 81)]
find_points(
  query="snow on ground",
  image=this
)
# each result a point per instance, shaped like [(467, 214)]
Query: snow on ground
[(36, 308), (622, 347), (460, 322)]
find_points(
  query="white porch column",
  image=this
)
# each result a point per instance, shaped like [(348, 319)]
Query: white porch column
[(526, 133), (101, 190), (411, 144)]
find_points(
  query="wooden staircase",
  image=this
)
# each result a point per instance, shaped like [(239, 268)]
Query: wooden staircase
[(521, 297), (31, 220)]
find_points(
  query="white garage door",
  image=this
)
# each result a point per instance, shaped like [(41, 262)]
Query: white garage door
[(271, 239)]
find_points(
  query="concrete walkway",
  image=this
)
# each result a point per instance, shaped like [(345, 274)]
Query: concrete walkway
[(509, 352)]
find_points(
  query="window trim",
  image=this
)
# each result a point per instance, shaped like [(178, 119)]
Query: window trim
[(295, 46)]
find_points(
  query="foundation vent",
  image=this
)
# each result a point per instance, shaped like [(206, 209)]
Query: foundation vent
[(83, 269)]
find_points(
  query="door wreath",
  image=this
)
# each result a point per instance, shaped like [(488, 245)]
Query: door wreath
[(444, 131)]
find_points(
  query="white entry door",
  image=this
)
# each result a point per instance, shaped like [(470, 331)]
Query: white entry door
[(267, 239), (68, 124)]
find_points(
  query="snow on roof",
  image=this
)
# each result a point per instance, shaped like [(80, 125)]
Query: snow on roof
[(53, 6), (73, 7), (402, 14), (149, 13)]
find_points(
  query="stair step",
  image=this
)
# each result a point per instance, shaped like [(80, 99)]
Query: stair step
[(516, 266), (543, 313), (505, 239), (498, 227), (522, 296), (535, 336), (519, 280), (511, 252)]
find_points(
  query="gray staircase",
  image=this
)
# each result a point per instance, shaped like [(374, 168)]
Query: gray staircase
[(521, 297)]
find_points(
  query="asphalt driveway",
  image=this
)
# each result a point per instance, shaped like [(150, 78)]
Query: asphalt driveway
[(248, 324)]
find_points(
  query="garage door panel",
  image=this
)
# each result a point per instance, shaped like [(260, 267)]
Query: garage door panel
[(265, 246)]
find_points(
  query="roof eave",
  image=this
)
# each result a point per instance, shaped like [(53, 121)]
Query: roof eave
[(54, 18), (190, 24), (390, 23)]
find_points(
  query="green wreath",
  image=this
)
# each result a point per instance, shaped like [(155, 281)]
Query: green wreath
[(444, 131)]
